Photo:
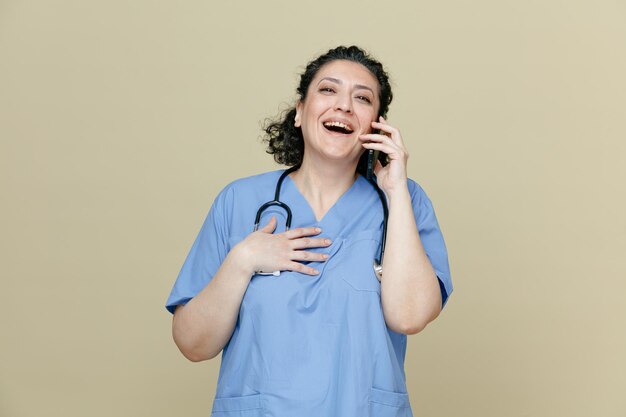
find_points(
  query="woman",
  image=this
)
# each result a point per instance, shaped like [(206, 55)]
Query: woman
[(321, 336)]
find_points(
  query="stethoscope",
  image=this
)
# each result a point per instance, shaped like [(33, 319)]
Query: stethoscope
[(378, 267)]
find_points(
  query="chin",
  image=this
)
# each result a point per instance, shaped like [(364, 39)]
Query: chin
[(346, 157)]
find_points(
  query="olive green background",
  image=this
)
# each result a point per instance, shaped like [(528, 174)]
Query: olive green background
[(121, 120)]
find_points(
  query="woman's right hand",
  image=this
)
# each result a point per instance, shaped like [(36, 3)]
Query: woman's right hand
[(264, 251)]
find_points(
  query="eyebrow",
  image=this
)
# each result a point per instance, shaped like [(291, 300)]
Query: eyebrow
[(338, 81)]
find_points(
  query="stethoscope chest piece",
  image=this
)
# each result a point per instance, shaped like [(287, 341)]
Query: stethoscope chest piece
[(378, 270)]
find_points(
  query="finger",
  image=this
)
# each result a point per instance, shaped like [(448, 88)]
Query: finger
[(384, 126), (303, 269), (375, 137), (306, 242), (378, 167), (305, 256), (302, 231), (270, 226), (393, 132), (387, 130), (383, 147)]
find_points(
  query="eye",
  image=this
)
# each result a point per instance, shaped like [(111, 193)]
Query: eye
[(327, 90), (364, 99)]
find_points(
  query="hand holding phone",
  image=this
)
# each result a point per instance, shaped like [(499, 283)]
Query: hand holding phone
[(373, 156), (392, 172)]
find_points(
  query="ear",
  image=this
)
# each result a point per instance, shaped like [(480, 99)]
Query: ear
[(297, 122)]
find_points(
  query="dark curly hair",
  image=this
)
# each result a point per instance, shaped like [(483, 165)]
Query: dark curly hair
[(285, 141)]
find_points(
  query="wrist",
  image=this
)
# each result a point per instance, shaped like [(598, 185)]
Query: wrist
[(400, 192), (239, 257)]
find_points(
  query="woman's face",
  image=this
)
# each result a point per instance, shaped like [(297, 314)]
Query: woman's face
[(341, 102)]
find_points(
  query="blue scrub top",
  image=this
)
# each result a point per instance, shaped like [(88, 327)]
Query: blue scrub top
[(310, 345)]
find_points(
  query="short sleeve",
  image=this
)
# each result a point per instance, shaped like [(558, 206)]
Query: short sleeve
[(432, 238), (206, 255)]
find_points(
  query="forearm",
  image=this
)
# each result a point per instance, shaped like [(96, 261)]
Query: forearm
[(204, 325), (202, 328), (410, 293)]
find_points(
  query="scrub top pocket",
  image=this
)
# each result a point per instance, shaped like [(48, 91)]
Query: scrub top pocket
[(248, 406), (357, 260), (389, 404)]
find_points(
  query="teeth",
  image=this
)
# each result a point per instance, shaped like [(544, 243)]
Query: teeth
[(338, 124)]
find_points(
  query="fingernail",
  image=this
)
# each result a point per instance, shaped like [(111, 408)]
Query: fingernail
[(316, 272), (318, 230), (325, 256), (328, 241)]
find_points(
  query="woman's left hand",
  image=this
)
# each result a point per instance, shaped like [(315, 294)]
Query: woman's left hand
[(393, 176)]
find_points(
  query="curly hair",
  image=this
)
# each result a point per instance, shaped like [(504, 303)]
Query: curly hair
[(285, 141)]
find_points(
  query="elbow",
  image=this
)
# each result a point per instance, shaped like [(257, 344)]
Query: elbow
[(191, 356), (193, 348), (412, 323), (414, 328), (195, 354), (408, 327)]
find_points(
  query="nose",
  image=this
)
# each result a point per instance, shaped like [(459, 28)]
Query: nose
[(343, 103)]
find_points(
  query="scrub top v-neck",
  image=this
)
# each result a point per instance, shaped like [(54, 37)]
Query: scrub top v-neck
[(309, 345), (334, 217)]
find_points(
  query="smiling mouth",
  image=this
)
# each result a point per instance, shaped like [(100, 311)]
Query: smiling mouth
[(338, 127)]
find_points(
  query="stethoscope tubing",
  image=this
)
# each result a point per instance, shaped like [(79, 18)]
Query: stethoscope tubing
[(276, 202)]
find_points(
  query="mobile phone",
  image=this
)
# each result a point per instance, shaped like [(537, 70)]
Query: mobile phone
[(372, 157)]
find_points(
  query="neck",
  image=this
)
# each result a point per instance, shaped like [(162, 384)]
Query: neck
[(323, 184)]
